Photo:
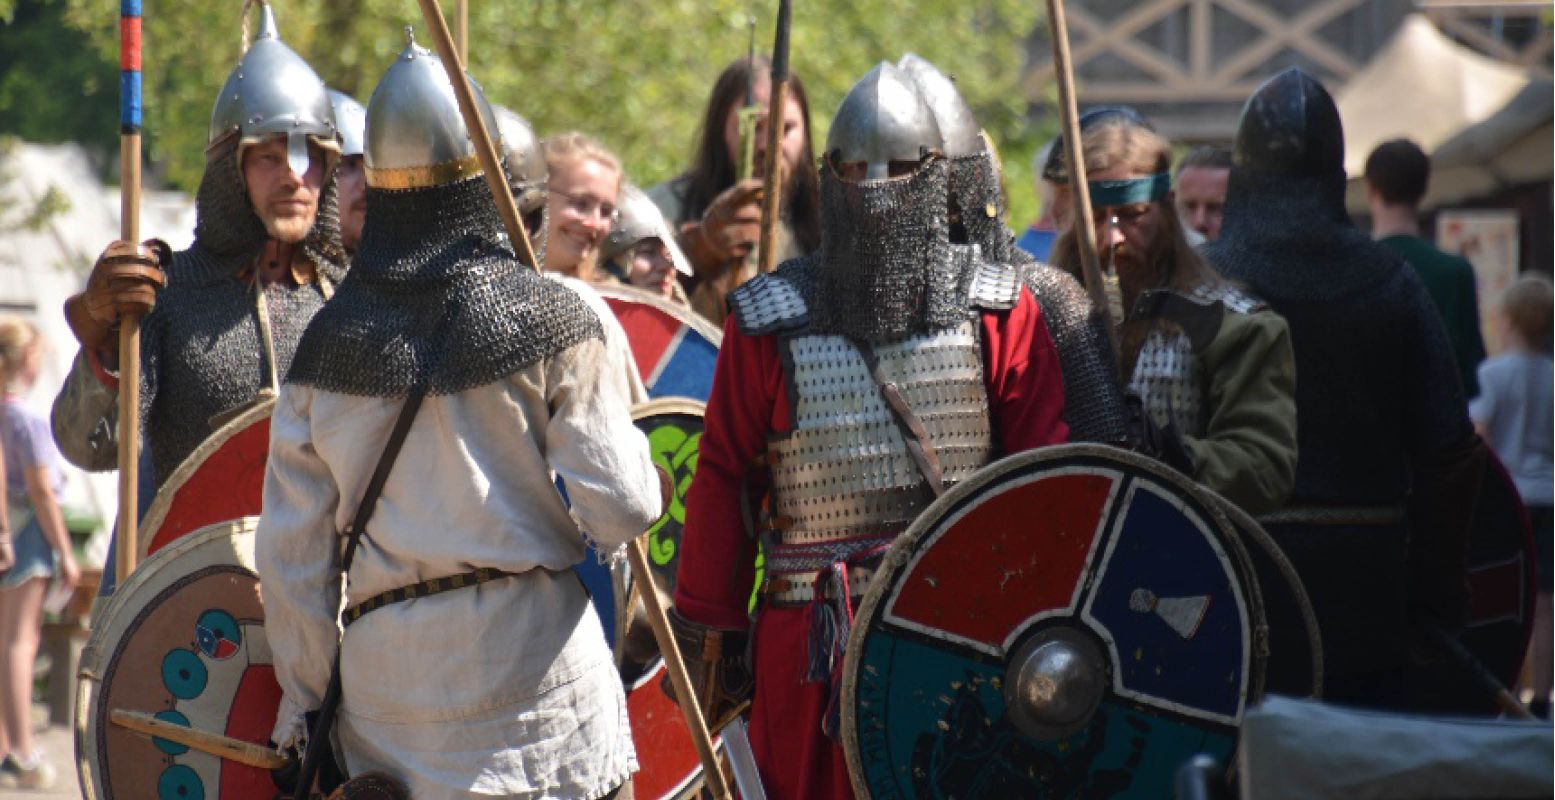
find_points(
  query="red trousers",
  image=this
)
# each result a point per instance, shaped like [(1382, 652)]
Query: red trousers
[(798, 760)]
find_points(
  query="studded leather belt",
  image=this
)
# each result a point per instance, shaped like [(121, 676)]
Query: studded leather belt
[(425, 588), (792, 590)]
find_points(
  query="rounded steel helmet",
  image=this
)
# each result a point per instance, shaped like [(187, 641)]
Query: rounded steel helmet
[(272, 91), (957, 124), (641, 219), (416, 137), (882, 120), (527, 171), (351, 118)]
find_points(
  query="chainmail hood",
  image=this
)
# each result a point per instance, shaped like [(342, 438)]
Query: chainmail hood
[(886, 268), (436, 299), (975, 193), (228, 235)]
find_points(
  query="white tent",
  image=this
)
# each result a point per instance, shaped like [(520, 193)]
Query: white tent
[(1423, 86), (45, 257)]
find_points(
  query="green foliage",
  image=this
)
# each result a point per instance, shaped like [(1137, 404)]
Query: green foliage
[(54, 86), (633, 72)]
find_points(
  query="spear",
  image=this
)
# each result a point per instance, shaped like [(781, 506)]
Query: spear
[(129, 326), (777, 101), (485, 151), (1090, 263)]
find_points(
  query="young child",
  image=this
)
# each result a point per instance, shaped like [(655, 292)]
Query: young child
[(41, 551), (1513, 412)]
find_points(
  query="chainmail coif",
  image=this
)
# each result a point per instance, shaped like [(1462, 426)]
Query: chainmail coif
[(436, 299), (885, 270), (202, 352)]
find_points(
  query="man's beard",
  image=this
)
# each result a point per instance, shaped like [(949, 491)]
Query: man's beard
[(288, 230)]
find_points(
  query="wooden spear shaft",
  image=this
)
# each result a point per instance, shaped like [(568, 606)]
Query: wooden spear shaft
[(128, 545), (236, 750), (464, 31), (1074, 158), (485, 150), (658, 619), (777, 102)]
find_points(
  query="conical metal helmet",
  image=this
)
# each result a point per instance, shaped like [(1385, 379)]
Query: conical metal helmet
[(882, 119), (351, 117), (640, 219), (273, 91), (416, 137), (1290, 126), (957, 124), (522, 149)]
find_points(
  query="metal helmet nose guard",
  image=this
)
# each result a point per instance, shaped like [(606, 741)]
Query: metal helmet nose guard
[(883, 119), (272, 91)]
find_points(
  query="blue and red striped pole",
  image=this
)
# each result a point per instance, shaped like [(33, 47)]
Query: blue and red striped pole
[(127, 545)]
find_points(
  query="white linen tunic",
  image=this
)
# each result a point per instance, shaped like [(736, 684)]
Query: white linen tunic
[(505, 689)]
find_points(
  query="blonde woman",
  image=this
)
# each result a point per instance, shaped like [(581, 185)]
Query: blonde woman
[(585, 184), (42, 551)]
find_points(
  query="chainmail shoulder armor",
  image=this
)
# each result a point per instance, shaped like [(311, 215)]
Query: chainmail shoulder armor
[(436, 299), (774, 302), (1093, 397), (1233, 297)]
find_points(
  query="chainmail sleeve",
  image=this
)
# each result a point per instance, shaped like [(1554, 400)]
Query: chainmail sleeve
[(1093, 397)]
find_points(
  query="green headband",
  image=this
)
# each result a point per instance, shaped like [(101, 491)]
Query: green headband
[(1129, 191)]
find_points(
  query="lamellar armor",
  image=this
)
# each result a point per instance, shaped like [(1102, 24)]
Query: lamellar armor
[(215, 343), (879, 340), (436, 298), (1093, 399)]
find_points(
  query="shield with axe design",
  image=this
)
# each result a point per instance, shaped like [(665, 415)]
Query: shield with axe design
[(183, 641), (1071, 622)]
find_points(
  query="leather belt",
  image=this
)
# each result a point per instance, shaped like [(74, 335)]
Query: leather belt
[(1334, 515), (797, 589), (425, 588)]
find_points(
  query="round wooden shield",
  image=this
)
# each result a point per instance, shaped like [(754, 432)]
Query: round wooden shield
[(675, 348), (670, 768), (1071, 622), (1295, 663), (223, 479), (182, 639), (1503, 584)]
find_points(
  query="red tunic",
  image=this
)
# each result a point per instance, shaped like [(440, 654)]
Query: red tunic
[(750, 403)]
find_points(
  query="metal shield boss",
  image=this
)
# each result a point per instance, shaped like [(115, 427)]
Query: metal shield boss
[(184, 640), (1071, 622)]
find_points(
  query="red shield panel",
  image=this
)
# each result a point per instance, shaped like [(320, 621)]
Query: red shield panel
[(223, 479)]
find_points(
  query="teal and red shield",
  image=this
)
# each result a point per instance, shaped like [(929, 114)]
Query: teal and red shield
[(184, 640), (1072, 622)]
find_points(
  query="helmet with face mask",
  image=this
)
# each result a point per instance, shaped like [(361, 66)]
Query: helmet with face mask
[(640, 219), (528, 175)]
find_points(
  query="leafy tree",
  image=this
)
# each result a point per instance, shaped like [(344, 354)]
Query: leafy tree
[(633, 72)]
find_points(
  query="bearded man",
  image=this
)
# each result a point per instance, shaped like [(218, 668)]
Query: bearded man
[(230, 309), (855, 384)]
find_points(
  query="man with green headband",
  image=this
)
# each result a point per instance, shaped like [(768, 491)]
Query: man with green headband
[(1211, 365)]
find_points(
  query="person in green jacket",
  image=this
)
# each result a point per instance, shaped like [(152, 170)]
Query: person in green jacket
[(1397, 174), (1211, 364)]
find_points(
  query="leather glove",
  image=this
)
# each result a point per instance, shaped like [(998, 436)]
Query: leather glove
[(124, 282), (1162, 443), (731, 225), (718, 665)]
